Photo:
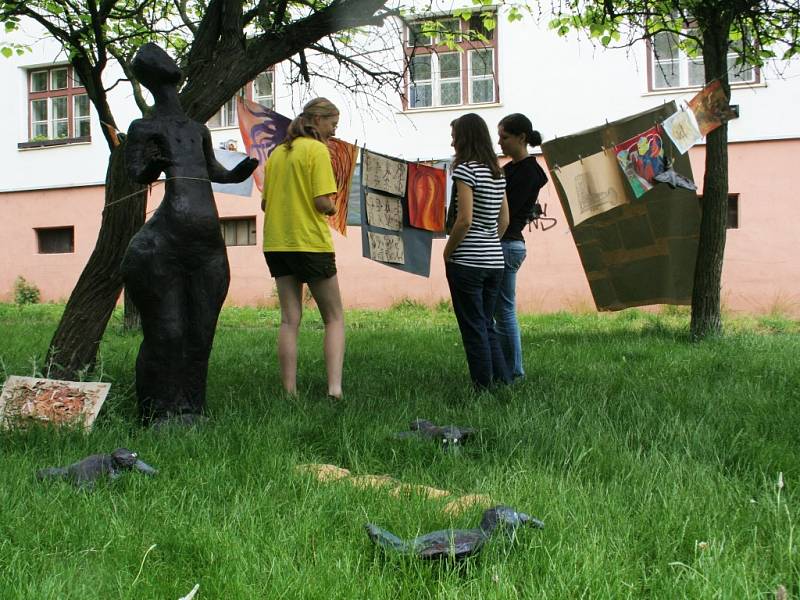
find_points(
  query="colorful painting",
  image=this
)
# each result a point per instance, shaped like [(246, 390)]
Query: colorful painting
[(426, 197), (385, 212), (710, 107), (592, 185), (384, 173), (343, 158), (262, 129), (386, 248), (25, 401), (682, 130), (642, 158)]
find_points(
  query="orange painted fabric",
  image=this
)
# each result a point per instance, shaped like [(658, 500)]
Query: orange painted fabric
[(343, 159), (426, 197)]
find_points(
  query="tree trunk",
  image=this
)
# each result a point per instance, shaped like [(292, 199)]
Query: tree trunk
[(706, 307), (92, 301)]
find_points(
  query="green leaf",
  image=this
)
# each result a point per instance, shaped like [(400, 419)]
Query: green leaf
[(6, 51)]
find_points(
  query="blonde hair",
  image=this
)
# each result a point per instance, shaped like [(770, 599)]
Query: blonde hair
[(303, 124)]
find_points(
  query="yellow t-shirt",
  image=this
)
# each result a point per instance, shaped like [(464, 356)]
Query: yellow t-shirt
[(292, 179)]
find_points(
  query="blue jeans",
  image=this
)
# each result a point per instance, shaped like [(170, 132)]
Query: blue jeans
[(474, 292), (505, 312)]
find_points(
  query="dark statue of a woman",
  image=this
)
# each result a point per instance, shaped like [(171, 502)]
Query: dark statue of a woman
[(176, 267)]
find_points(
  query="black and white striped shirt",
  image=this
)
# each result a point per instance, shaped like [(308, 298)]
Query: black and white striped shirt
[(481, 246)]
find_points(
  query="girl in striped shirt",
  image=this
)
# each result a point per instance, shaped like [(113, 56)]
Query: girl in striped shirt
[(473, 255)]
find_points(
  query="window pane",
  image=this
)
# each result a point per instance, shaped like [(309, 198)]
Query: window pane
[(56, 241), (60, 107), (81, 108), (450, 65), (216, 120), (420, 68), (739, 73), (450, 28), (82, 128), (697, 72), (230, 113), (420, 95), (39, 130), (262, 89), (482, 90), (482, 62), (39, 110), (39, 81), (58, 79), (76, 80), (61, 129), (451, 93), (666, 74), (665, 46), (416, 37), (476, 26)]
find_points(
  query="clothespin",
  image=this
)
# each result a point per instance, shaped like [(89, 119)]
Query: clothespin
[(580, 158)]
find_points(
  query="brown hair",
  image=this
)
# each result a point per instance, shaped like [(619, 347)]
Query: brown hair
[(303, 124), (472, 142)]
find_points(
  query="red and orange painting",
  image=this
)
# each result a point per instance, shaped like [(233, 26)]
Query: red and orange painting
[(343, 158), (426, 192)]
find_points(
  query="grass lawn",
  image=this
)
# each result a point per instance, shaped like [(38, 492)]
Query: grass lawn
[(653, 462)]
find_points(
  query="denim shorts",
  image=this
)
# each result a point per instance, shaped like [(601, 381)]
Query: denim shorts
[(305, 266)]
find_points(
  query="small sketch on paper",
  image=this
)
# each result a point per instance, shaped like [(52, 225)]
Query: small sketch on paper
[(386, 248), (384, 211), (592, 201), (385, 174)]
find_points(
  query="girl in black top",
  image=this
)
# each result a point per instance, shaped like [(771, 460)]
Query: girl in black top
[(524, 179)]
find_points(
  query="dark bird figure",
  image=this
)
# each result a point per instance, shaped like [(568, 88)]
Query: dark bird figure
[(84, 473), (447, 434), (454, 543)]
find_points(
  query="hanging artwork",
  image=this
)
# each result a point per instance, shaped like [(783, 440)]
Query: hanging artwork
[(592, 185), (638, 253), (384, 173), (682, 129), (642, 158), (384, 211), (386, 248), (343, 158), (262, 129), (426, 197), (710, 107)]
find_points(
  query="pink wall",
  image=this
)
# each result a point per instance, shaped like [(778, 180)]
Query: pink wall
[(758, 276)]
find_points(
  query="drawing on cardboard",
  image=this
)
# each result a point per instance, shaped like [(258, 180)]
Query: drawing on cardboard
[(682, 129), (426, 197), (385, 174), (386, 248), (384, 211), (592, 185), (31, 400), (710, 107), (343, 159), (641, 159)]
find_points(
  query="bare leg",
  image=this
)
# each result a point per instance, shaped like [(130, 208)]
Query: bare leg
[(290, 295), (327, 296)]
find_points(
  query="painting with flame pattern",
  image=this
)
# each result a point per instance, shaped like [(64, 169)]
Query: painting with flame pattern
[(426, 197), (343, 159)]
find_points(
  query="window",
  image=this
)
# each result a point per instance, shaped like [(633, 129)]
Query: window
[(440, 74), (239, 232), (733, 211), (672, 68), (56, 240), (261, 90), (58, 105)]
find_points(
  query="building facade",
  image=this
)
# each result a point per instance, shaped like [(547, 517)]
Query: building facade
[(54, 158)]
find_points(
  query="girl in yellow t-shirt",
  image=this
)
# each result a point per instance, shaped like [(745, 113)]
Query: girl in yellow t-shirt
[(298, 189)]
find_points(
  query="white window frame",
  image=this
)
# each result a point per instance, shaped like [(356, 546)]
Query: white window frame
[(679, 57), (48, 126), (267, 100), (473, 78)]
